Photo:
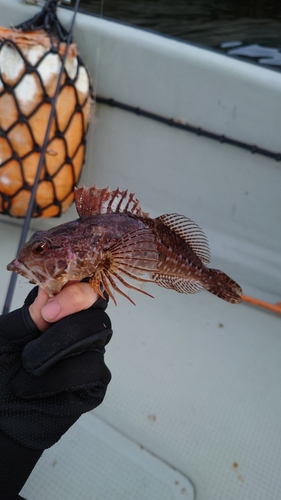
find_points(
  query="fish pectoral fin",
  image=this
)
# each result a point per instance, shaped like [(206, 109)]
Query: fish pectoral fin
[(96, 283), (190, 232), (180, 285), (106, 278), (135, 256), (102, 280)]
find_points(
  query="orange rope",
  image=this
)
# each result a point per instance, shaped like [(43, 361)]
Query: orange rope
[(262, 303)]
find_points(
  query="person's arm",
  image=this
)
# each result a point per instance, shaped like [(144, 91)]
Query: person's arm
[(51, 371)]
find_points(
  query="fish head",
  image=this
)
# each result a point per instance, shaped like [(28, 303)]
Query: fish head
[(44, 261)]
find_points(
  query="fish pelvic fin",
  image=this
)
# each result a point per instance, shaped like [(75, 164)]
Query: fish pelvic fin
[(134, 256), (94, 201), (223, 286)]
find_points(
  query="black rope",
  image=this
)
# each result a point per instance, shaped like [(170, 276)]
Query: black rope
[(172, 122), (47, 20), (30, 209)]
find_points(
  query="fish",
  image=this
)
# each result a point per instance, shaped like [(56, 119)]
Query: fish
[(114, 243)]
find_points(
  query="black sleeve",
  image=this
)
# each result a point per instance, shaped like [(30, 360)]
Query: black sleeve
[(47, 380)]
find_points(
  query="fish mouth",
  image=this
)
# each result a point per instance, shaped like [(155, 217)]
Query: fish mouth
[(19, 267), (36, 277)]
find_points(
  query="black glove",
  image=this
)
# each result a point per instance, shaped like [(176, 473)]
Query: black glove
[(47, 380)]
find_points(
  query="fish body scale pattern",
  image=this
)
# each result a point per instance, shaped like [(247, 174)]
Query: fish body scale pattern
[(29, 70)]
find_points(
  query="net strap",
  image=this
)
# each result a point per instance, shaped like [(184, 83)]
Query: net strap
[(25, 228)]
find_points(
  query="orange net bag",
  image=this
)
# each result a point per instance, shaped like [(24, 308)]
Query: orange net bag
[(30, 63)]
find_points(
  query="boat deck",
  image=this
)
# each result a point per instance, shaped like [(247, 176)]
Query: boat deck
[(192, 410)]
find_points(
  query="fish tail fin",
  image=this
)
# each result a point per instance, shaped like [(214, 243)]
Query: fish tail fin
[(224, 287)]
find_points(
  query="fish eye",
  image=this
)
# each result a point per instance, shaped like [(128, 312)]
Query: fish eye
[(39, 247)]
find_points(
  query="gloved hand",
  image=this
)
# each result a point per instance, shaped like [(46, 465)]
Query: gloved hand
[(47, 380)]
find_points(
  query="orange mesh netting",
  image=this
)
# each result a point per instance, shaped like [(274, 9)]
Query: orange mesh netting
[(30, 63)]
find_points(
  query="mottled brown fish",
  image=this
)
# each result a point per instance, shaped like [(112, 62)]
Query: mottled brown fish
[(113, 240)]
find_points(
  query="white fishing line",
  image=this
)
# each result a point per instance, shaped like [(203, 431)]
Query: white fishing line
[(90, 181)]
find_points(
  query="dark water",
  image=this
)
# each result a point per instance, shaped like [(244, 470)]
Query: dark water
[(249, 29)]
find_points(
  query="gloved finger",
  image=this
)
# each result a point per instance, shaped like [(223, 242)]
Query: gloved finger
[(85, 330), (31, 296), (35, 309), (80, 372), (18, 325)]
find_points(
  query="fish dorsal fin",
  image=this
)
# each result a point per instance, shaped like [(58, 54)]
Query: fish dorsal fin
[(190, 232), (93, 201)]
